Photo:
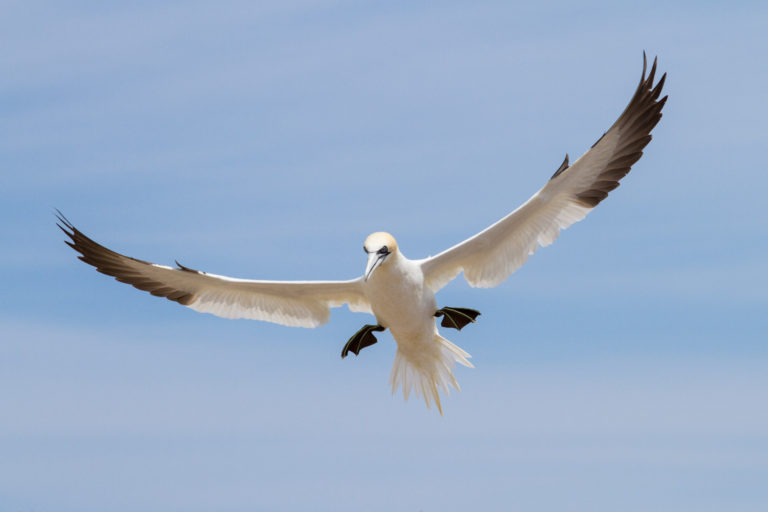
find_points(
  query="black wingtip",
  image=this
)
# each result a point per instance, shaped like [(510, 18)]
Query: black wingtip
[(562, 168), (60, 216), (63, 229), (66, 227), (186, 269), (657, 90), (652, 74)]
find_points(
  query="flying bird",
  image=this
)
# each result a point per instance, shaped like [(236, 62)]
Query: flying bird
[(398, 291)]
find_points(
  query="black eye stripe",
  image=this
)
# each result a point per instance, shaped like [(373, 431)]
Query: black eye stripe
[(383, 250)]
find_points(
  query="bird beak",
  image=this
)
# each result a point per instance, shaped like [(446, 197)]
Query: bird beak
[(374, 260)]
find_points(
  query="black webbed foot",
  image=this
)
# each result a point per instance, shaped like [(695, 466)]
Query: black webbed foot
[(361, 339), (456, 318)]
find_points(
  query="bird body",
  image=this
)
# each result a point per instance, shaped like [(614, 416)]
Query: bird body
[(399, 297), (398, 291), (402, 301)]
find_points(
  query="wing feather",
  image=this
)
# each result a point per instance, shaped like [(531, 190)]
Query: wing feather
[(292, 303), (491, 256)]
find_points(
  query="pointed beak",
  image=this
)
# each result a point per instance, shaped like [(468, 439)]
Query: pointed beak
[(374, 260)]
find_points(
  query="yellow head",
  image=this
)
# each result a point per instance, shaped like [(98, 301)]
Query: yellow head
[(379, 246)]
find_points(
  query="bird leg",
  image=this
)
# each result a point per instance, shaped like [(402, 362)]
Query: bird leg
[(456, 318), (361, 339)]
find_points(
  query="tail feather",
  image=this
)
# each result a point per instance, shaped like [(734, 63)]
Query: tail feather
[(426, 368)]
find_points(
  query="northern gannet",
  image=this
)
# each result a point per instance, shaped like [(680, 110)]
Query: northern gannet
[(398, 291)]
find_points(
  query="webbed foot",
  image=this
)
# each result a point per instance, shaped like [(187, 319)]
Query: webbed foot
[(456, 318), (361, 339)]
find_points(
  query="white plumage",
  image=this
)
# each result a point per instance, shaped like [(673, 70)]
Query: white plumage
[(401, 292)]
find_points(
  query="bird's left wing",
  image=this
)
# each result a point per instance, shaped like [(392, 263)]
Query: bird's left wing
[(492, 255), (293, 303)]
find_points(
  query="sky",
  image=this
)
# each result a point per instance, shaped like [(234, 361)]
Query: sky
[(622, 368)]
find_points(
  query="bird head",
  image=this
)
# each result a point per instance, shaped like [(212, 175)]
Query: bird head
[(379, 247)]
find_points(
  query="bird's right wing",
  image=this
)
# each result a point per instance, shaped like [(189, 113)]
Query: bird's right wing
[(293, 303), (492, 255)]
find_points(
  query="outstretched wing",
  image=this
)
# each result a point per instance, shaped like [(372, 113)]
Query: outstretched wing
[(492, 255), (293, 303)]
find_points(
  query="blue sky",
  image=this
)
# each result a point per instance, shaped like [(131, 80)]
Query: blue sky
[(622, 368)]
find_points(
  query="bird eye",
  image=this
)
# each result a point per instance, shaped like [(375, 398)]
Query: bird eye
[(384, 250)]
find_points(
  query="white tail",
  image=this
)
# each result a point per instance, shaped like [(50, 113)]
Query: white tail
[(427, 366)]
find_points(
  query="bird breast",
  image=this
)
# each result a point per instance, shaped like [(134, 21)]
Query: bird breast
[(400, 298)]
